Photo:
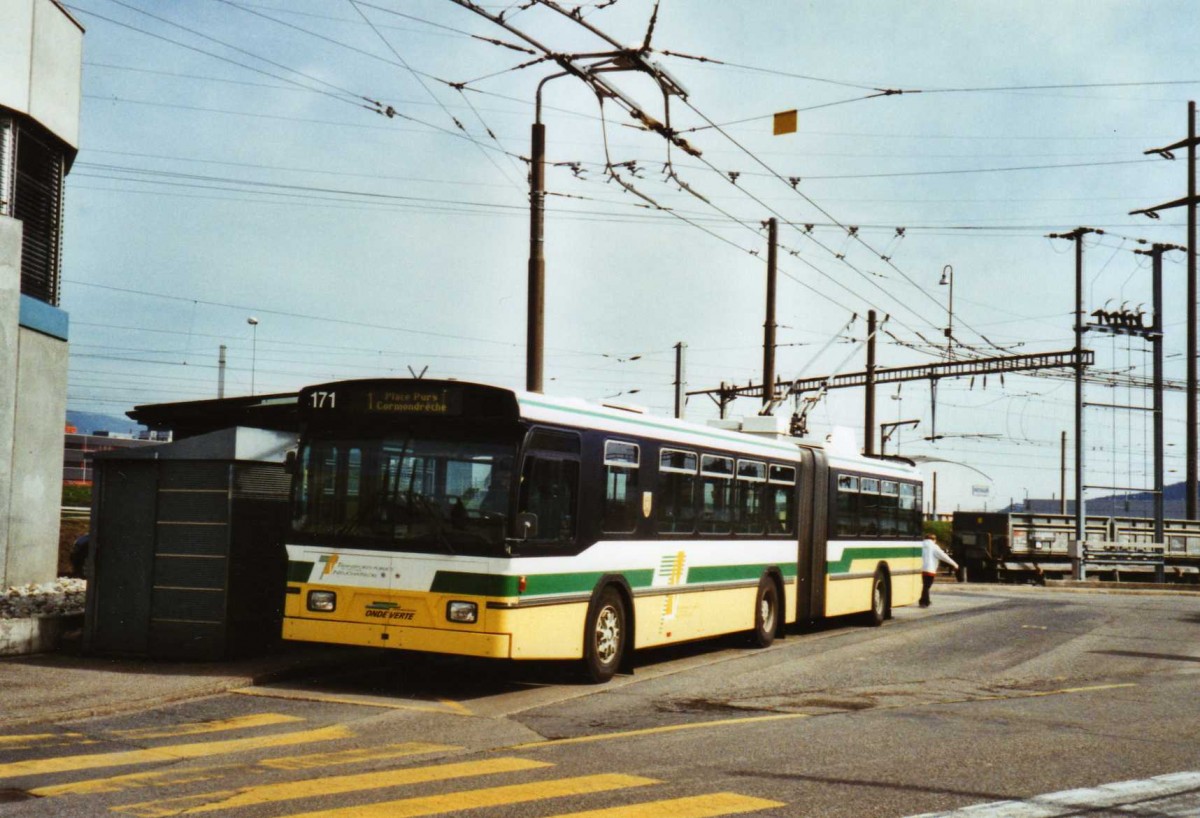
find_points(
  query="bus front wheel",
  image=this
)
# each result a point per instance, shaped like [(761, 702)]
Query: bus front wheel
[(604, 636)]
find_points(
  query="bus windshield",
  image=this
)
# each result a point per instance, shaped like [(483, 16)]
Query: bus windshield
[(407, 493)]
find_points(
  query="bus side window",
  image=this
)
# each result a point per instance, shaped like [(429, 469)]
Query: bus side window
[(751, 482), (868, 507), (847, 505), (716, 480), (781, 500), (675, 494), (622, 500), (549, 489)]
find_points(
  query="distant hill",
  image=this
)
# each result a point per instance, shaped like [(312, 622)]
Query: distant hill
[(1140, 504), (88, 422)]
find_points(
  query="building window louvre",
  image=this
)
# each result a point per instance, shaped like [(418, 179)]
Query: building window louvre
[(6, 166), (35, 164)]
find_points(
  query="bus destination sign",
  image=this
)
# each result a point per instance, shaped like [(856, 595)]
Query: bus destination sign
[(414, 402), (445, 401)]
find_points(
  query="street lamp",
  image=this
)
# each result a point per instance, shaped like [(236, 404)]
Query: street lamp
[(253, 322), (948, 278)]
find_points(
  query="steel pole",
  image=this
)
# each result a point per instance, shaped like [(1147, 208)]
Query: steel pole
[(1080, 511), (1062, 476), (680, 383), (1157, 342), (1192, 458), (869, 398), (769, 324), (536, 308)]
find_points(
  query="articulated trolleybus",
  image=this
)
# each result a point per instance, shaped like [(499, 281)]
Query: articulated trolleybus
[(467, 519)]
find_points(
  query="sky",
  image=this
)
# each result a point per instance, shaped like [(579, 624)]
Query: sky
[(237, 160)]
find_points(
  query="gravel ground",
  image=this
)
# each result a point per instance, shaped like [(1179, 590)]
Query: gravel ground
[(63, 596)]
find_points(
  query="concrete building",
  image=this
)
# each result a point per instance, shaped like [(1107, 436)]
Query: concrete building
[(41, 61)]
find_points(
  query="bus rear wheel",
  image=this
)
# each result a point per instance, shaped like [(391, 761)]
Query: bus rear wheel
[(766, 613), (604, 636), (880, 606)]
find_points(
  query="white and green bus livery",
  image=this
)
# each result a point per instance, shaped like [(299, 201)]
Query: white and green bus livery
[(469, 519)]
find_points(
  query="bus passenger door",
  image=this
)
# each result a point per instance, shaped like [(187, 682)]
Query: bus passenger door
[(813, 487)]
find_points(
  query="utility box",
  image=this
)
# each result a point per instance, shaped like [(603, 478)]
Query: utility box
[(186, 558)]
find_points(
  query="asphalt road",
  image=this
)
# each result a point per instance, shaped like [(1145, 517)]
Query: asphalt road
[(992, 695)]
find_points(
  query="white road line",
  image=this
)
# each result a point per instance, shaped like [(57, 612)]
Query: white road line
[(1177, 794)]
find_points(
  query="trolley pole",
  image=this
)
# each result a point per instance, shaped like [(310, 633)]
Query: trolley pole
[(869, 397), (768, 395)]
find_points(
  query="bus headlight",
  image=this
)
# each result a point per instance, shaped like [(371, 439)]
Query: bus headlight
[(324, 601), (462, 611)]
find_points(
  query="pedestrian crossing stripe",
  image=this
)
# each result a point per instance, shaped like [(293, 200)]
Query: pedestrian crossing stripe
[(317, 760), (490, 797), (202, 727), (134, 781), (330, 785), (696, 806), (158, 779), (27, 741), (383, 702), (170, 752)]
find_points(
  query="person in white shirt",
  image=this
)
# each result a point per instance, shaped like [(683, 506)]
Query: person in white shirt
[(931, 555)]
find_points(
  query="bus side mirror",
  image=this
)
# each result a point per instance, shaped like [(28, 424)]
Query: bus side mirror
[(527, 525), (289, 461)]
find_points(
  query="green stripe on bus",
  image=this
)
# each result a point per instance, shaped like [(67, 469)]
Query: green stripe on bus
[(698, 575), (872, 552), (583, 582), (458, 582), (299, 571)]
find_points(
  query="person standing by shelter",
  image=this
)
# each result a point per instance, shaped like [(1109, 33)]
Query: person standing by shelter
[(931, 555)]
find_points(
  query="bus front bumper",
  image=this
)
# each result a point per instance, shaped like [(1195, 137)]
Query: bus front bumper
[(400, 637)]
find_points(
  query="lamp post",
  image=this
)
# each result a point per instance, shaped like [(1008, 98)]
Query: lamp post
[(535, 327), (948, 278), (253, 322)]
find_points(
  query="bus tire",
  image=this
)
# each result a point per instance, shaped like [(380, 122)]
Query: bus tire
[(766, 612), (604, 636), (880, 596)]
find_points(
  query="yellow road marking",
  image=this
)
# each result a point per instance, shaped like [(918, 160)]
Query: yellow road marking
[(490, 797), (697, 806), (1094, 687), (173, 752), (698, 725), (28, 740), (134, 781), (171, 778), (308, 762), (333, 785), (201, 727), (444, 705)]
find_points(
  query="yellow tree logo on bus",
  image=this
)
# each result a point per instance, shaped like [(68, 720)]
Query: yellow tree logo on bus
[(672, 572)]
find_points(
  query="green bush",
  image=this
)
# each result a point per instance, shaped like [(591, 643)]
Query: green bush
[(940, 529), (77, 495)]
